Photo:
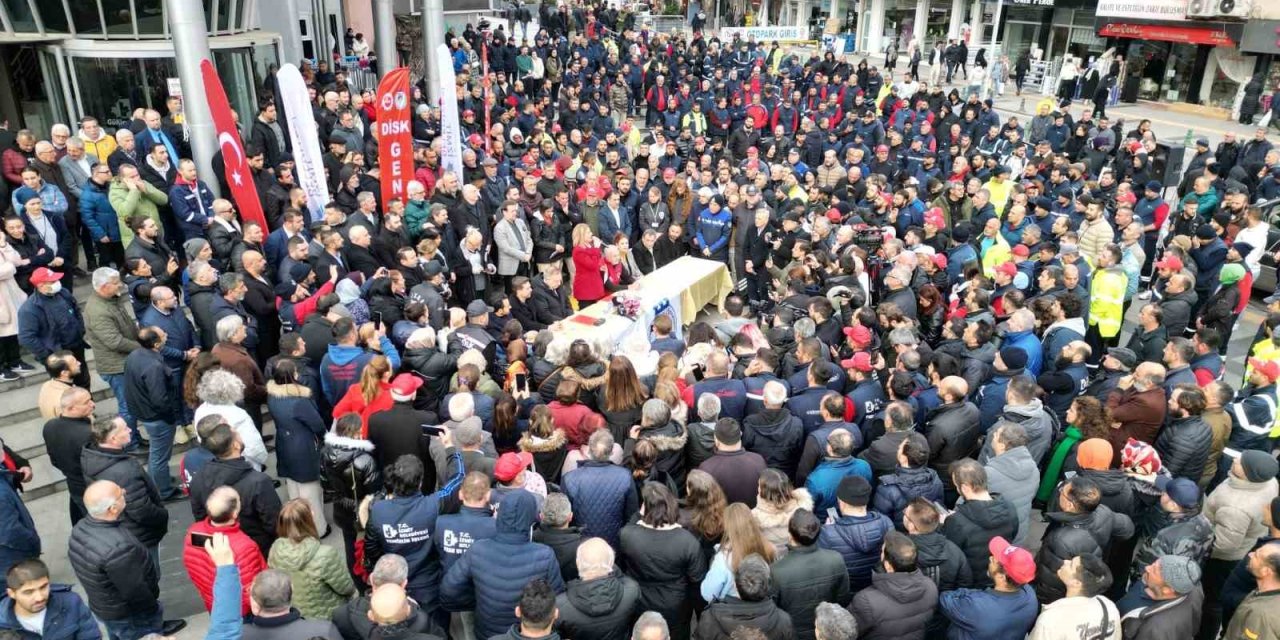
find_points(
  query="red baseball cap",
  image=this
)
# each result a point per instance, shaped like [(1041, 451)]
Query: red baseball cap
[(753, 164), (834, 215), (537, 173), (1008, 268), (939, 261), (509, 465), (468, 112), (860, 335), (1021, 250), (1170, 262), (1017, 562), (752, 151), (1268, 368), (406, 384), (861, 361), (593, 192), (475, 140), (43, 275)]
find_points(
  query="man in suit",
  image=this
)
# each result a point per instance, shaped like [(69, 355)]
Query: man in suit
[(515, 244), (330, 256), (293, 224)]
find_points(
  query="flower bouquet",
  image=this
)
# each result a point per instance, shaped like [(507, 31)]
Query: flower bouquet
[(626, 305)]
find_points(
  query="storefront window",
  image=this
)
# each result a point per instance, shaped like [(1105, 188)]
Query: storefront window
[(20, 15), (86, 18), (53, 15), (150, 17), (224, 14), (109, 88), (119, 16), (1163, 69), (237, 81)]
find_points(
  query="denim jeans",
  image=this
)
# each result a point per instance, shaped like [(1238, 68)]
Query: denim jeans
[(161, 433), (116, 382), (135, 626)]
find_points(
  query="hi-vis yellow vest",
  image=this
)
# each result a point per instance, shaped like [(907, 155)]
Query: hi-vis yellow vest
[(1106, 300)]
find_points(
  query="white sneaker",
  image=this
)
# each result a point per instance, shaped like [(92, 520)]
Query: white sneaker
[(1145, 295)]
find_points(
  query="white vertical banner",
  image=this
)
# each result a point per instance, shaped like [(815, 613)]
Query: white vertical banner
[(450, 130), (308, 158)]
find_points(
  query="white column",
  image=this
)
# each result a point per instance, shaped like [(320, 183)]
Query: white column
[(975, 21), (384, 35), (763, 14), (190, 47), (433, 37), (922, 21), (837, 12), (875, 27), (957, 18)]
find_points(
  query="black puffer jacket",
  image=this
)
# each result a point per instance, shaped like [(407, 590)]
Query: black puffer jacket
[(973, 524), (721, 618), (954, 430), (1183, 445), (777, 436), (945, 564), (668, 564), (144, 515), (670, 439), (1116, 487), (600, 609), (352, 620), (436, 369), (900, 488), (351, 471), (805, 577), (896, 606), (114, 569), (1188, 534), (259, 502), (1075, 534), (589, 377)]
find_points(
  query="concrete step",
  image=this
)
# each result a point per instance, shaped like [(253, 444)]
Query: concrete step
[(21, 404), (27, 437)]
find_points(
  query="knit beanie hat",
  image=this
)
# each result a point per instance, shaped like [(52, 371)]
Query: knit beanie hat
[(193, 247), (1231, 274), (1180, 573), (1095, 454), (1258, 466)]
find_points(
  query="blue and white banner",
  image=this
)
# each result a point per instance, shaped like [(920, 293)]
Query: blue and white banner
[(450, 129), (308, 158)]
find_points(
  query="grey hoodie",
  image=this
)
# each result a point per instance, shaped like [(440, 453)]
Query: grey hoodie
[(1014, 476)]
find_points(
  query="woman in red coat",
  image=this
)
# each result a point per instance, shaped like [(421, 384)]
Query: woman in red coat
[(369, 396), (588, 260)]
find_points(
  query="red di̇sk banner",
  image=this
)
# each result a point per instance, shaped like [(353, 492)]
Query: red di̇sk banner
[(395, 139), (239, 175)]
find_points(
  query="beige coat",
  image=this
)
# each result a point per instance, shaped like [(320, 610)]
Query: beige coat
[(11, 297), (1235, 509)]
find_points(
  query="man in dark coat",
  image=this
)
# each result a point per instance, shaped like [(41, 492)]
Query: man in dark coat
[(602, 602), (735, 469), (1165, 603), (352, 619), (144, 516), (65, 437), (155, 404), (857, 534), (901, 600), (1084, 526), (953, 430), (602, 494), (116, 570), (751, 608), (978, 519), (938, 558), (259, 503), (808, 575), (397, 431)]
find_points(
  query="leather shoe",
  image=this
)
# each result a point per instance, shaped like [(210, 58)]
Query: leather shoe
[(171, 627)]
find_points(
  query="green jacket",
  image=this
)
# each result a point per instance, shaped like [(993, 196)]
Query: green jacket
[(416, 214), (111, 330), (146, 200), (319, 574)]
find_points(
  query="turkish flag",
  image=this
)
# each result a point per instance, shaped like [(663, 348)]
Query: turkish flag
[(238, 173), (395, 137)]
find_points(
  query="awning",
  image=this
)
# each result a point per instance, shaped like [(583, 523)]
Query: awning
[(1188, 34)]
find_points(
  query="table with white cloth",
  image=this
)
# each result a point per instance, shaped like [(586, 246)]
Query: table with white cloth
[(679, 290)]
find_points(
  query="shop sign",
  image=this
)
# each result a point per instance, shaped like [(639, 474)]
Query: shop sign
[(1166, 10), (1032, 3), (765, 34), (175, 87), (1162, 33)]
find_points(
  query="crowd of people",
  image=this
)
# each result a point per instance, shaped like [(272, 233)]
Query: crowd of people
[(914, 417)]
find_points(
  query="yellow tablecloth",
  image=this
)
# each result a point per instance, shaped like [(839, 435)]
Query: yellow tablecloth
[(694, 282)]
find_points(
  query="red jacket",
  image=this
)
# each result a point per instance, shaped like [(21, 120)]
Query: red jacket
[(588, 282), (353, 402), (200, 566), (576, 420), (14, 162)]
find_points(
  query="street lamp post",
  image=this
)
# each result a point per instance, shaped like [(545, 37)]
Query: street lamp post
[(190, 46), (384, 35)]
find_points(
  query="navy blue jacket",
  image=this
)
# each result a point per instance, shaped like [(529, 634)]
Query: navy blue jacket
[(67, 617), (755, 390), (17, 530), (868, 399), (220, 309), (97, 213), (147, 391), (603, 498), (898, 489), (180, 334), (807, 406), (486, 580), (193, 208), (456, 533), (299, 430), (800, 379), (732, 394), (858, 540), (990, 399), (63, 250), (50, 323)]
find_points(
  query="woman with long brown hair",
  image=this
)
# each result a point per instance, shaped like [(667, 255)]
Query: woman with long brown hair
[(621, 397), (546, 443), (321, 582), (703, 510), (203, 363), (742, 537), (368, 396), (776, 501), (1086, 418), (664, 558), (680, 202)]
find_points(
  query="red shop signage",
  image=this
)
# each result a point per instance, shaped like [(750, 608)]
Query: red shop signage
[(1187, 35)]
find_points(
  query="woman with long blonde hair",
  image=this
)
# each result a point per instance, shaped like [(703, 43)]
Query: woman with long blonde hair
[(742, 537), (369, 395), (589, 266)]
